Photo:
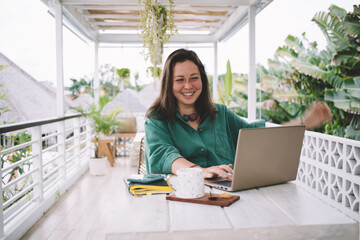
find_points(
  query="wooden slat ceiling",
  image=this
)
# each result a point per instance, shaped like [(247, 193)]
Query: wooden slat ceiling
[(196, 20)]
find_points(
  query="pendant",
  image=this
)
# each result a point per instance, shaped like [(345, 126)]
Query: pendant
[(191, 117)]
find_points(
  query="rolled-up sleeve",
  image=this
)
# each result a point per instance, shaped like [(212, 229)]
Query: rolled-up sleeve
[(160, 151)]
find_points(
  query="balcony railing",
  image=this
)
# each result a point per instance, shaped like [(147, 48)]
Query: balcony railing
[(330, 169), (48, 157)]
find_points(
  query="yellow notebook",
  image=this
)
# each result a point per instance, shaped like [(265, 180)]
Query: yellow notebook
[(147, 184)]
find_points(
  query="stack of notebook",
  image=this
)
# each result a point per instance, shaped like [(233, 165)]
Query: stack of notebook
[(147, 184)]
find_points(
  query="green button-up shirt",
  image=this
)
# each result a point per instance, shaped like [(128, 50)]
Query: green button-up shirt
[(213, 143)]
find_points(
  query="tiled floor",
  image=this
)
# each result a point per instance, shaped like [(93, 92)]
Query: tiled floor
[(82, 212)]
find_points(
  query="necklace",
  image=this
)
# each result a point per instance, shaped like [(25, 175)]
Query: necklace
[(191, 117)]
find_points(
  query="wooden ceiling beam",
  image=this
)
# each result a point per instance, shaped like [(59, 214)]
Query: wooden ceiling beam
[(137, 8), (164, 2), (176, 17)]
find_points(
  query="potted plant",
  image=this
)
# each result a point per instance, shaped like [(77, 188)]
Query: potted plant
[(104, 124), (157, 25)]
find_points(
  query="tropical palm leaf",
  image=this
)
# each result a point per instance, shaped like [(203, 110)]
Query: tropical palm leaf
[(333, 29), (269, 79), (309, 68), (337, 11), (286, 51), (326, 55), (352, 87), (316, 72), (275, 64), (342, 100), (295, 42), (347, 59), (352, 24)]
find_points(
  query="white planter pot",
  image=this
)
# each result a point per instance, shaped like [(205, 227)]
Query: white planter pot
[(98, 166)]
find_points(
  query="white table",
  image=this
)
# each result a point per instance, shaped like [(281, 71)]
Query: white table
[(278, 212)]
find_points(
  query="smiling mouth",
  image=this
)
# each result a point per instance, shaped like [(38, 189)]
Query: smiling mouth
[(188, 94)]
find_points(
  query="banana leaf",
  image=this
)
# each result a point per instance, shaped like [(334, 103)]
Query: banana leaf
[(286, 51), (275, 64), (348, 59), (342, 100), (316, 72), (357, 9), (351, 133), (337, 11), (294, 42), (333, 30), (352, 87), (352, 24)]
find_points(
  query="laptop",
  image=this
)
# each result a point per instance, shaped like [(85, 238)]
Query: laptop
[(264, 156)]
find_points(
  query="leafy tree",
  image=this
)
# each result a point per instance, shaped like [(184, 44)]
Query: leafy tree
[(330, 74), (124, 78), (109, 89), (342, 31), (78, 87)]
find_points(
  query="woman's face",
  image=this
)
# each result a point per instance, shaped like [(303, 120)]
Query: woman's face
[(187, 85)]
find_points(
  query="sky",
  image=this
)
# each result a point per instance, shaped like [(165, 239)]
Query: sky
[(27, 37)]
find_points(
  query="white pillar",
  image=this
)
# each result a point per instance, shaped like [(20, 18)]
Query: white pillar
[(59, 60), (96, 73), (215, 77), (252, 66), (60, 86)]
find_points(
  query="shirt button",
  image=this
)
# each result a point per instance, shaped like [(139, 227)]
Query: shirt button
[(200, 129), (202, 149)]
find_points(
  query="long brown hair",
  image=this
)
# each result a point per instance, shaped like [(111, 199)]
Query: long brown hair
[(165, 105)]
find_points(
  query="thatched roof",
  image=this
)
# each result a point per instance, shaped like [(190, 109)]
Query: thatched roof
[(28, 98), (149, 94), (128, 100), (83, 100)]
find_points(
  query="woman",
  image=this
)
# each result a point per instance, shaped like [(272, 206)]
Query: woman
[(185, 129)]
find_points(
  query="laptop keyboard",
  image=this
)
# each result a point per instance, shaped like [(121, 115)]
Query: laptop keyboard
[(225, 183)]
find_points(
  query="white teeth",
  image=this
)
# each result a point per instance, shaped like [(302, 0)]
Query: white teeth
[(188, 94)]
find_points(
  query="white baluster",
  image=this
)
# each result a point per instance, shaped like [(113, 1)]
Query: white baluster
[(38, 162)]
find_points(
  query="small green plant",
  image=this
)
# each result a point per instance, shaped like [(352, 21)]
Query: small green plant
[(124, 76), (103, 123)]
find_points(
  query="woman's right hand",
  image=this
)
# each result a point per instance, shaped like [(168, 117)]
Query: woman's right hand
[(219, 171)]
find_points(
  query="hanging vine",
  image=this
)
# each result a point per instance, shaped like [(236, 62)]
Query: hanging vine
[(157, 25)]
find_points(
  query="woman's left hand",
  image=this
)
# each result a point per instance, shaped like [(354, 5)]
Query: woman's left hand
[(316, 114)]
